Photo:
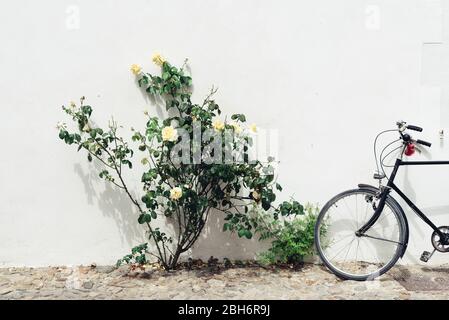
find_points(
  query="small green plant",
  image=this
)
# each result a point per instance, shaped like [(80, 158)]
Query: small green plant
[(292, 239)]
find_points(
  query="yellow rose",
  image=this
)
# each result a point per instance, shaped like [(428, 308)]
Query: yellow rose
[(175, 193), (61, 125), (136, 69), (86, 127), (158, 59), (169, 134), (94, 148), (253, 128), (256, 195), (237, 128), (218, 125)]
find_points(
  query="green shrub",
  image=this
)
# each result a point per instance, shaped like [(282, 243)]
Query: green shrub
[(292, 240)]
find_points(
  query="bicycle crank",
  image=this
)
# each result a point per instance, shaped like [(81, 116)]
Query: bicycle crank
[(440, 245)]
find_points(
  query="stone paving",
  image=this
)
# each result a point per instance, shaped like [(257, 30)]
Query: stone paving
[(218, 282)]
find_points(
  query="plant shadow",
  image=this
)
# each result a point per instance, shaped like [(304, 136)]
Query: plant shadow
[(215, 242), (113, 203)]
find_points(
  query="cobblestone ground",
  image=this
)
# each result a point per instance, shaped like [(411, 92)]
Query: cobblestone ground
[(308, 282)]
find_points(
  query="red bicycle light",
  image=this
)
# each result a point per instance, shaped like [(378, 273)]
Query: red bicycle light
[(410, 149)]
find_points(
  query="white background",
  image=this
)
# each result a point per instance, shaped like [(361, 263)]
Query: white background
[(328, 75)]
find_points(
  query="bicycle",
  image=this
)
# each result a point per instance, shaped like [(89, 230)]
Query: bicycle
[(361, 233)]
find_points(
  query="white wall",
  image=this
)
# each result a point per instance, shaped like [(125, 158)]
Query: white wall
[(327, 74)]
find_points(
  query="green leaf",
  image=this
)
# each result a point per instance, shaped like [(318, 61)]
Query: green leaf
[(86, 110), (130, 165), (240, 117), (165, 75), (103, 173), (144, 218), (266, 205), (63, 134), (149, 176), (141, 259)]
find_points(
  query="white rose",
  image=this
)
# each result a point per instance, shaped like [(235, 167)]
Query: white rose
[(61, 125), (169, 134), (175, 193), (253, 128), (218, 125), (237, 128), (256, 195)]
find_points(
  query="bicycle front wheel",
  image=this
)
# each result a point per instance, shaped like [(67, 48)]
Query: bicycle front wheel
[(359, 257)]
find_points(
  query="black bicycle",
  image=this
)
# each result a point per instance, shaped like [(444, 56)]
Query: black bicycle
[(360, 234)]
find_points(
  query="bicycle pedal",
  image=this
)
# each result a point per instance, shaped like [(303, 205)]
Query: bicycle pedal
[(426, 255)]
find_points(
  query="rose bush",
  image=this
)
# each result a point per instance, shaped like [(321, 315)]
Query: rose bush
[(196, 163)]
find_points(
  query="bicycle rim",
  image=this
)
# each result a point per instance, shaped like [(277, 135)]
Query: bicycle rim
[(348, 255)]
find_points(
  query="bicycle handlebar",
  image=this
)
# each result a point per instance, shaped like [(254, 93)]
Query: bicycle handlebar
[(424, 143), (407, 138), (415, 128)]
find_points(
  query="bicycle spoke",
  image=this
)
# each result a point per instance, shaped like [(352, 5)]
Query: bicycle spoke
[(350, 246), (340, 251), (366, 211), (342, 238), (344, 200), (342, 212), (381, 239)]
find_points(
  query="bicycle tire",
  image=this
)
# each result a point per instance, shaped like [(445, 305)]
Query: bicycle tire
[(392, 204)]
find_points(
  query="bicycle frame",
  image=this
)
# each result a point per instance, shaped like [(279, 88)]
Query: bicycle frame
[(391, 186)]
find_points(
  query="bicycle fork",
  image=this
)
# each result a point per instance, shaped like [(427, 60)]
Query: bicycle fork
[(385, 191), (376, 214)]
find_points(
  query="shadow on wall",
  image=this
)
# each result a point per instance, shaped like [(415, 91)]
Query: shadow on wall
[(113, 203), (157, 103), (411, 194), (214, 242)]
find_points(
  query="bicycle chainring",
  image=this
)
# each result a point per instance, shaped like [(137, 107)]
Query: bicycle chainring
[(441, 245)]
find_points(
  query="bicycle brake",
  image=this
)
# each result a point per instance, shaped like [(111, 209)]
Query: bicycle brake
[(378, 176)]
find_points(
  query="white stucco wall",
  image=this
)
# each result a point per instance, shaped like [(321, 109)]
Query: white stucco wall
[(327, 74)]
